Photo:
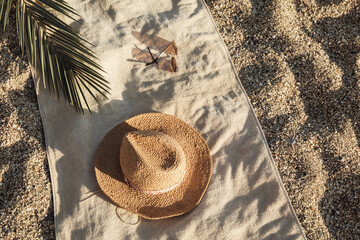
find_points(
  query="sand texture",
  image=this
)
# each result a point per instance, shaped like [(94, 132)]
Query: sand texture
[(299, 62)]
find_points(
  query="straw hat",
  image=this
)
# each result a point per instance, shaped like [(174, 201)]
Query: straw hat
[(154, 165)]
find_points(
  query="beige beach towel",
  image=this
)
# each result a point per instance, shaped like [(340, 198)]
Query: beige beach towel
[(245, 198)]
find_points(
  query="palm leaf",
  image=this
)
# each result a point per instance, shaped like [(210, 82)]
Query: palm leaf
[(5, 11), (56, 50)]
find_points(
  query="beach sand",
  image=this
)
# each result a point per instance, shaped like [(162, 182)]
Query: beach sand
[(299, 62)]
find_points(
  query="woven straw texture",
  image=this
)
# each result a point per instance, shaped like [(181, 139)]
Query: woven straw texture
[(152, 161), (178, 201)]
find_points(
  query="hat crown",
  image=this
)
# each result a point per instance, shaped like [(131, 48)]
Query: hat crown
[(152, 161)]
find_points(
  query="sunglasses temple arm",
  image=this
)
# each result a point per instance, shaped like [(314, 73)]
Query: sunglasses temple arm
[(151, 54), (155, 59)]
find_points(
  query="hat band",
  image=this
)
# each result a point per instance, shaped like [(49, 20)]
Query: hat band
[(154, 192)]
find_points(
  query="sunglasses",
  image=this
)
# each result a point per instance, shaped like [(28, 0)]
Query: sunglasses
[(163, 46)]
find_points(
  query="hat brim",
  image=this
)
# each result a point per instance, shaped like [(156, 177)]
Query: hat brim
[(185, 197)]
